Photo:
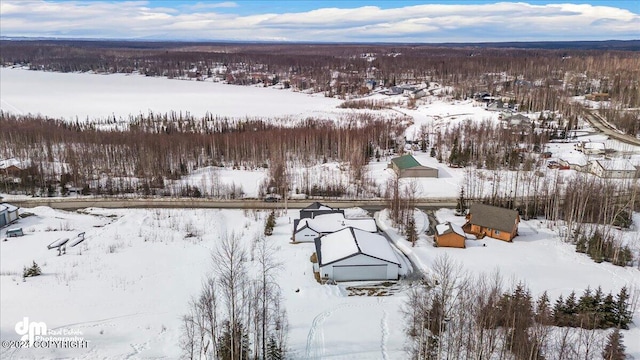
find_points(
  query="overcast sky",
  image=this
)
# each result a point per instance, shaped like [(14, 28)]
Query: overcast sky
[(324, 21)]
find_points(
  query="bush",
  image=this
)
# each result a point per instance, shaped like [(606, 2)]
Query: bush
[(34, 270)]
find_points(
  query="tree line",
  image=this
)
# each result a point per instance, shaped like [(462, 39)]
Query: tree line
[(152, 149), (537, 79), (464, 316)]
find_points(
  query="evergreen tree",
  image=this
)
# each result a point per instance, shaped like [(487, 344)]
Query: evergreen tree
[(559, 312), (455, 151), (543, 314), (608, 309), (274, 351), (614, 349), (270, 223), (571, 309), (621, 311), (236, 347), (33, 270)]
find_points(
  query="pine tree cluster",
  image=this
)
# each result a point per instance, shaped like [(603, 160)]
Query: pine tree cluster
[(603, 248), (593, 310)]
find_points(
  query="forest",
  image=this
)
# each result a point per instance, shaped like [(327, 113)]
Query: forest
[(536, 78), (480, 316)]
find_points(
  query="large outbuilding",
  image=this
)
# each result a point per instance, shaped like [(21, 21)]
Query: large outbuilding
[(354, 255), (306, 230), (496, 222), (408, 166), (614, 169), (450, 235)]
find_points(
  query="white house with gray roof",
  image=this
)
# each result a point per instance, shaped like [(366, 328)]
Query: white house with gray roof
[(616, 169), (306, 230)]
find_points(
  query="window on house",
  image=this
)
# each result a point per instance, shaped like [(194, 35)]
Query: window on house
[(497, 232)]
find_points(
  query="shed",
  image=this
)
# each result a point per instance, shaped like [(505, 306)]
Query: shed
[(354, 255), (449, 235), (408, 166), (492, 221), (306, 230), (3, 216), (316, 209), (11, 213)]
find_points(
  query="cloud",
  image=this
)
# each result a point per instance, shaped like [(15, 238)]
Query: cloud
[(501, 21)]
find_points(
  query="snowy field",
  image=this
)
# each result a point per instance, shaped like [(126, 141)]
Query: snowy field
[(127, 285), (71, 95)]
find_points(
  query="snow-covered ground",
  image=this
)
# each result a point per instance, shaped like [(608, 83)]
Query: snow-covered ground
[(84, 95), (89, 96), (127, 285)]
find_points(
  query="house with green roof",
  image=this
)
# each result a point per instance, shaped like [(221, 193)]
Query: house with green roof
[(408, 166)]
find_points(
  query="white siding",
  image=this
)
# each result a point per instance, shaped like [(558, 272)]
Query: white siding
[(360, 267), (305, 235), (12, 216)]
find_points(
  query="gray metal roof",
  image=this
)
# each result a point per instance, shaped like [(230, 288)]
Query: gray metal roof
[(493, 217)]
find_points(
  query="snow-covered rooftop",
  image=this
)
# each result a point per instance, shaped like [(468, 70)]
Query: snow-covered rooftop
[(328, 223), (446, 228), (10, 208), (594, 145), (349, 242), (9, 162), (574, 158)]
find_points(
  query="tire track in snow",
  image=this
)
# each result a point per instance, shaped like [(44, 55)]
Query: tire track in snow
[(315, 339), (4, 104), (312, 341)]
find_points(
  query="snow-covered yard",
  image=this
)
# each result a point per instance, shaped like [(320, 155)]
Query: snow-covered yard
[(127, 286)]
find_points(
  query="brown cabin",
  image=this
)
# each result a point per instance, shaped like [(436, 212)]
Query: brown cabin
[(492, 221), (449, 235)]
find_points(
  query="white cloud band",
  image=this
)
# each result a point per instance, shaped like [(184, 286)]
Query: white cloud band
[(505, 21)]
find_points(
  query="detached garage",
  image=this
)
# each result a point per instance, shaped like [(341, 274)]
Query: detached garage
[(353, 255)]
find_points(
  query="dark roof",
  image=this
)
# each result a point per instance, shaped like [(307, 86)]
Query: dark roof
[(315, 206), (493, 217), (405, 162), (518, 117)]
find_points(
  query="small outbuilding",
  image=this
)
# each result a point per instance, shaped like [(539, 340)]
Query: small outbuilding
[(316, 209), (496, 222), (3, 216), (408, 166), (355, 255), (8, 214), (450, 235), (306, 230)]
